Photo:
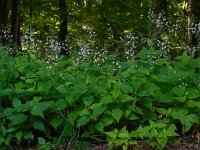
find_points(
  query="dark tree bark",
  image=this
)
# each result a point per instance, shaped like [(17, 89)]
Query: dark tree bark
[(3, 17), (63, 27), (193, 17), (15, 22), (160, 6)]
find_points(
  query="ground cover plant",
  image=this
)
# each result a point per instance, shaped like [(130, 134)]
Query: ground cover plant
[(48, 104)]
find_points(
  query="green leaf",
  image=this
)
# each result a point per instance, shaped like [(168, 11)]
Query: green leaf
[(107, 99), (16, 102), (6, 92), (19, 135), (181, 99), (46, 85), (179, 91), (17, 119), (1, 139), (107, 120), (126, 98), (9, 130), (99, 126), (149, 42), (28, 135), (88, 100), (56, 122), (117, 114), (193, 93), (72, 116), (83, 120), (60, 104), (39, 108), (97, 112), (123, 133), (171, 131), (2, 130), (126, 88), (162, 111), (112, 134), (41, 141), (38, 125), (61, 88)]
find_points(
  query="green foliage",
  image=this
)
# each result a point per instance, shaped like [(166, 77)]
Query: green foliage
[(39, 100)]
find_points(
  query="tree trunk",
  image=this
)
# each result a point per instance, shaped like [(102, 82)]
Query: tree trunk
[(15, 22), (63, 27), (193, 18), (160, 6), (3, 17)]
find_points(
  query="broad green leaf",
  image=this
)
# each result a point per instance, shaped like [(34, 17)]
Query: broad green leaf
[(179, 90), (46, 85), (23, 107), (17, 119), (117, 114), (8, 112), (112, 134), (184, 58), (16, 102), (95, 106), (1, 139), (123, 133), (12, 129), (83, 120), (162, 111), (19, 135), (149, 42), (97, 112), (41, 141), (88, 100), (171, 131), (85, 111), (126, 98), (60, 104), (28, 135), (147, 101), (56, 122), (193, 93), (107, 120), (2, 130), (126, 88), (6, 92), (107, 99), (181, 99), (39, 108), (72, 116), (61, 88), (99, 126), (39, 125)]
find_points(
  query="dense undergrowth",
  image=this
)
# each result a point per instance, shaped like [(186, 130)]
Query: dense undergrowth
[(46, 105)]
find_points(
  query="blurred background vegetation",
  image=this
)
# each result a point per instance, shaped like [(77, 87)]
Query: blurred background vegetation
[(88, 27)]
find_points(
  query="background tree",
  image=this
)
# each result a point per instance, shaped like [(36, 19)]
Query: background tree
[(15, 22), (63, 26), (3, 17)]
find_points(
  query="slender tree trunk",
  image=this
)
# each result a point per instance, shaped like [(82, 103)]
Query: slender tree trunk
[(15, 22), (63, 27), (193, 18), (3, 17), (5, 13), (160, 6)]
